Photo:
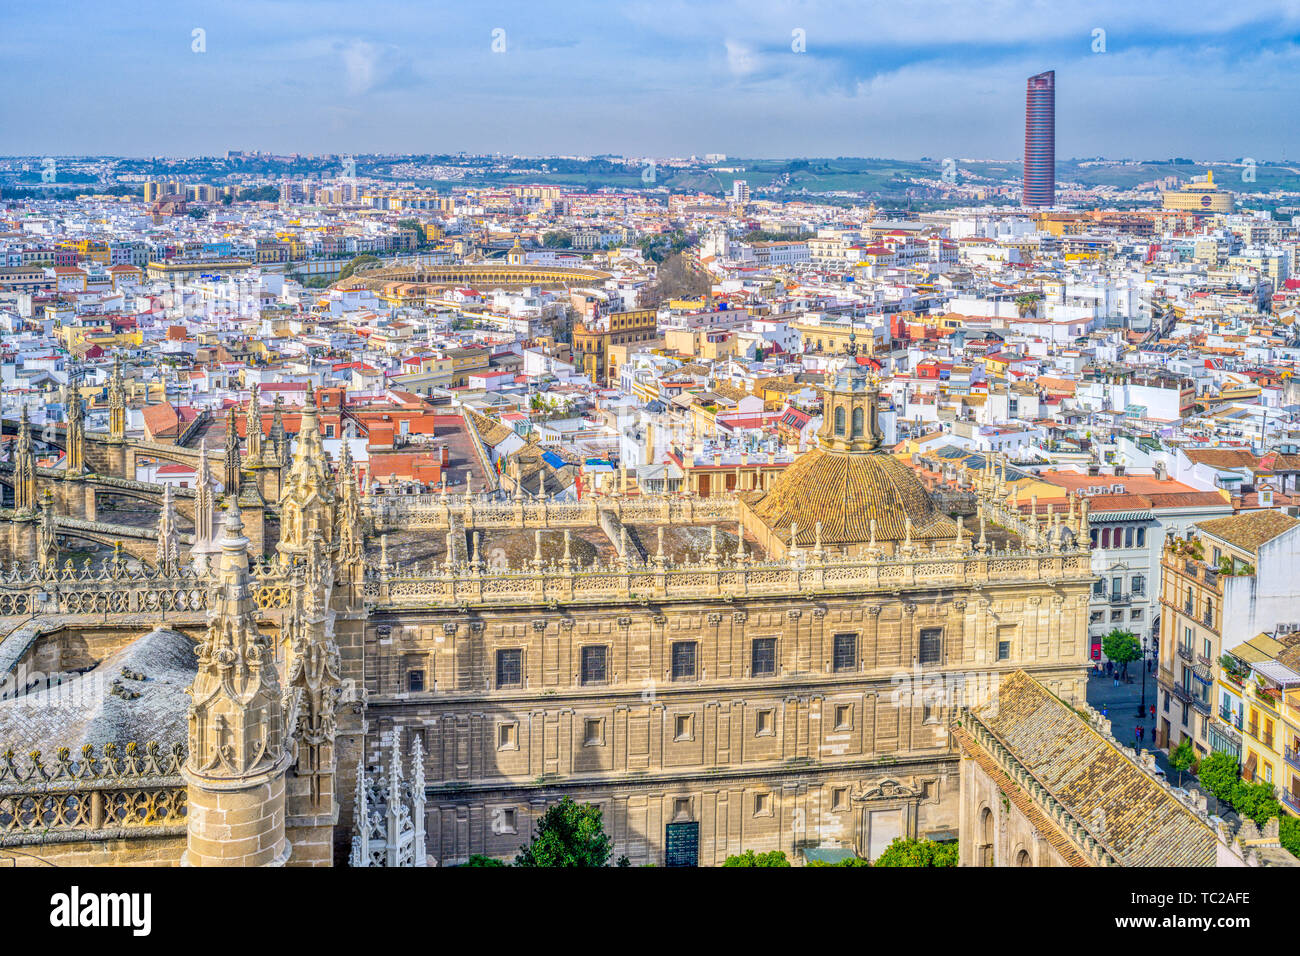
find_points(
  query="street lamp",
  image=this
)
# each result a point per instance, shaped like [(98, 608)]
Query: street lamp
[(1142, 707)]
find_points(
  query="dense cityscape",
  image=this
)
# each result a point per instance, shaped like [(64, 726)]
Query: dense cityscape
[(455, 509)]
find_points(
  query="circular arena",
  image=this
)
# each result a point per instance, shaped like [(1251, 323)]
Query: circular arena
[(491, 275)]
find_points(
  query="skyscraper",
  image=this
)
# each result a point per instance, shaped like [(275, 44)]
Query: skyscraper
[(1040, 140)]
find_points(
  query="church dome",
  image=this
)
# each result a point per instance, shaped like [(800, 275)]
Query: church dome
[(847, 481), (845, 491)]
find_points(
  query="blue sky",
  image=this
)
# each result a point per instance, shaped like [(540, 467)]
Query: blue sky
[(649, 77)]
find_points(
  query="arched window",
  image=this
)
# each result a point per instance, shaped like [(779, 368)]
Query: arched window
[(857, 423), (839, 420), (1022, 859), (986, 838), (1105, 537)]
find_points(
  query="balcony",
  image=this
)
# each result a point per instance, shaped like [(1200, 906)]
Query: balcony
[(1187, 697), (1253, 730), (1225, 714), (1185, 652), (1293, 758), (1291, 799), (1188, 609), (1119, 598)]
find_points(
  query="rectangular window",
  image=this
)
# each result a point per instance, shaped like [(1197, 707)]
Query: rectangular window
[(593, 664), (510, 667), (931, 645), (1217, 556), (846, 652), (764, 721), (1128, 537), (683, 660), (1099, 587), (1004, 650), (839, 799), (762, 804), (508, 736), (683, 727), (504, 820), (763, 657), (843, 716), (1139, 584), (1142, 537), (415, 682), (593, 732)]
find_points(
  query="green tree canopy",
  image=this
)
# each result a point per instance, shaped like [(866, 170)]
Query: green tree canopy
[(911, 852), (559, 239), (356, 263), (1121, 646), (847, 861), (478, 859), (750, 858), (569, 834), (1219, 773), (1182, 757)]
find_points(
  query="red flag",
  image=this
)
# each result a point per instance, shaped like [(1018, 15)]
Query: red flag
[(577, 484)]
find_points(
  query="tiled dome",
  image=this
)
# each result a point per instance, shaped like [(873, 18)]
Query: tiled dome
[(845, 491)]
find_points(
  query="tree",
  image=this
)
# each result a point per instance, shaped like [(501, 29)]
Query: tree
[(847, 861), (478, 859), (355, 264), (569, 834), (750, 858), (1181, 758), (557, 240), (1219, 773), (1258, 801), (1121, 646), (918, 853)]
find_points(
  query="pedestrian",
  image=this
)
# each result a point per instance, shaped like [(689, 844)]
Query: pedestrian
[(1137, 733), (1142, 733), (1117, 678), (1103, 711), (1153, 714)]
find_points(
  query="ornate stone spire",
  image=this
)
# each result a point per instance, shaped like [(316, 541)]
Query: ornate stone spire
[(76, 431), (230, 474), (237, 754), (167, 556), (253, 428), (47, 553), (307, 502), (116, 402), (347, 521), (312, 682), (279, 440), (204, 510), (24, 458)]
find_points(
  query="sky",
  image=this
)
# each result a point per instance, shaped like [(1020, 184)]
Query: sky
[(658, 78)]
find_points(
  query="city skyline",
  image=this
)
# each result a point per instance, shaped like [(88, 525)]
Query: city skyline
[(779, 80)]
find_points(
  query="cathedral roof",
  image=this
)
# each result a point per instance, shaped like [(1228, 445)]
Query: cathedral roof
[(135, 694), (1139, 821), (845, 491)]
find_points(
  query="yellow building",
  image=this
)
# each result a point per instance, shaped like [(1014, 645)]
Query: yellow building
[(592, 339), (1203, 197)]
